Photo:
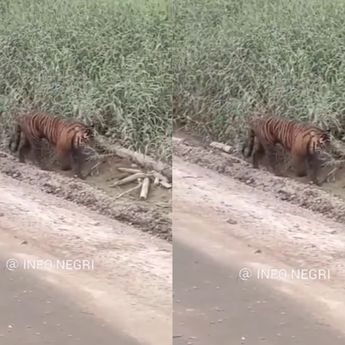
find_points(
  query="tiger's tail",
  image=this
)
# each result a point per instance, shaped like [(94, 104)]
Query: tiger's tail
[(16, 137), (250, 146)]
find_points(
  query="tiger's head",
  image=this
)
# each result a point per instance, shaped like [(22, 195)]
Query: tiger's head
[(83, 135), (320, 140), (325, 139), (87, 134)]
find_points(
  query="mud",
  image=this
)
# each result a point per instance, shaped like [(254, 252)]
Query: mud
[(153, 215), (328, 200)]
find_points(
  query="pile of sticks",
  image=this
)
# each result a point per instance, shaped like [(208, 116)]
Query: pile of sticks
[(153, 172), (144, 179), (135, 157)]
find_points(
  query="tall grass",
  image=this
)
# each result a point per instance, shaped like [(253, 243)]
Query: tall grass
[(105, 61), (239, 57)]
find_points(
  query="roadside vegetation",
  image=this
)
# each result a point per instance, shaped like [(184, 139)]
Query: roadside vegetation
[(106, 62), (236, 58)]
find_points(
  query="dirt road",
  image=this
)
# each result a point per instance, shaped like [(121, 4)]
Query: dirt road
[(129, 287), (222, 226), (33, 312)]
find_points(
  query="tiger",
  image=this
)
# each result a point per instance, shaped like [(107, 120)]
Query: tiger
[(303, 141), (66, 136)]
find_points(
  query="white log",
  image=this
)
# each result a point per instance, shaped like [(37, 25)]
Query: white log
[(166, 185), (129, 170), (128, 179), (128, 191), (136, 157), (145, 188), (221, 146)]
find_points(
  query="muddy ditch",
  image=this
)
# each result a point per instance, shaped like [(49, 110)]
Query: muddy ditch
[(328, 200), (152, 215)]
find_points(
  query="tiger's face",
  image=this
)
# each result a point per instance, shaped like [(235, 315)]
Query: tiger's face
[(87, 135), (321, 141), (82, 135), (324, 140)]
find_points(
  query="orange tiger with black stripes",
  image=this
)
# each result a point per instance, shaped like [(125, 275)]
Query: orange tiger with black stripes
[(303, 141), (66, 136)]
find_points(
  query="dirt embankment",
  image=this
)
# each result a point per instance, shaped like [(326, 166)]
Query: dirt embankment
[(301, 194), (153, 216)]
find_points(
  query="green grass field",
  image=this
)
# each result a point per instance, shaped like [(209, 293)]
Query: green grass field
[(106, 61), (239, 57)]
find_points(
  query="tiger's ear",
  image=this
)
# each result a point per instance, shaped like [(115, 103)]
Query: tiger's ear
[(327, 134)]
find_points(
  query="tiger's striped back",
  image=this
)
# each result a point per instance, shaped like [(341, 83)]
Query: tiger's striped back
[(44, 126), (301, 140), (65, 135), (292, 135)]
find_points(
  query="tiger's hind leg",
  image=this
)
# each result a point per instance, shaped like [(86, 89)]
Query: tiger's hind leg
[(33, 146), (36, 148), (24, 149), (272, 159), (258, 154)]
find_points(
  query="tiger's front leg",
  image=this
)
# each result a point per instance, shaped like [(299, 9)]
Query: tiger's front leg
[(76, 159), (37, 153), (272, 160), (64, 158), (314, 166), (299, 164)]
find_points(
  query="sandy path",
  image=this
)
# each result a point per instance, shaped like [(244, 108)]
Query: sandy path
[(130, 285), (285, 231), (234, 223)]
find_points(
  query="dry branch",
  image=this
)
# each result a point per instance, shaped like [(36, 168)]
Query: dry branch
[(166, 185), (156, 181), (163, 181), (138, 186), (159, 176), (136, 157), (94, 168), (102, 156), (177, 140), (338, 148), (221, 146), (233, 158), (331, 175), (129, 170), (129, 179), (145, 188)]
